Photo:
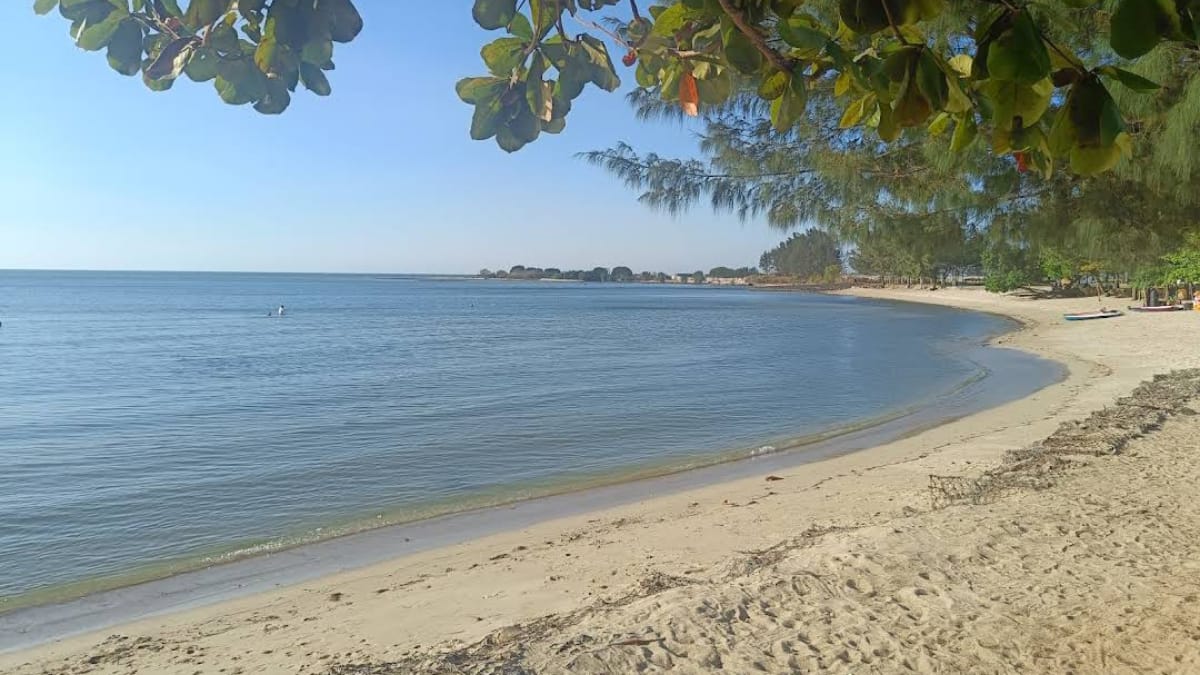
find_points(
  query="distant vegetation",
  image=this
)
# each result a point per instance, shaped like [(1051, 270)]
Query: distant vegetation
[(622, 274)]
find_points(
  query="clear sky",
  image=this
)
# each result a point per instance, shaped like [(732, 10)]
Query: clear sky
[(96, 172)]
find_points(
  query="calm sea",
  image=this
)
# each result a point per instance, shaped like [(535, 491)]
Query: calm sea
[(154, 421)]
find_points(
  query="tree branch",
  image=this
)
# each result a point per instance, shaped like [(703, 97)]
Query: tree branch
[(756, 38)]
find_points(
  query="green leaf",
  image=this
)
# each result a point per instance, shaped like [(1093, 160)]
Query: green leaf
[(773, 86), (493, 14), (314, 79), (855, 112), (803, 31), (1062, 133), (1012, 100), (1138, 25), (239, 82), (317, 52), (478, 89), (503, 55), (1019, 53), (487, 119), (95, 36), (44, 6), (521, 28), (202, 13), (671, 20), (739, 51), (1132, 80), (545, 14), (1111, 124), (203, 66), (346, 22), (225, 39), (275, 99), (932, 81), (940, 123), (964, 133), (789, 108), (603, 74), (125, 48)]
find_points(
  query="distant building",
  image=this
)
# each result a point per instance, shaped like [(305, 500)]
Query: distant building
[(728, 281)]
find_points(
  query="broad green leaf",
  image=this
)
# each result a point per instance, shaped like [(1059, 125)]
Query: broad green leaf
[(739, 51), (803, 31), (202, 13), (855, 112), (239, 82), (275, 99), (203, 66), (773, 86), (674, 18), (789, 108), (1012, 101), (1093, 160), (44, 6), (477, 89), (487, 119), (940, 123), (716, 88), (314, 79), (965, 132), (1111, 124), (346, 24), (603, 74), (961, 64), (493, 14), (841, 86), (97, 35), (1138, 25), (1132, 80), (1019, 54), (503, 55), (932, 81), (125, 48), (520, 27)]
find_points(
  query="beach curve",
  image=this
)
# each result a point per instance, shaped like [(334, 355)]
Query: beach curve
[(469, 590)]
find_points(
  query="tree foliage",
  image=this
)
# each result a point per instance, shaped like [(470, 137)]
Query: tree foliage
[(253, 51), (804, 255), (1030, 75)]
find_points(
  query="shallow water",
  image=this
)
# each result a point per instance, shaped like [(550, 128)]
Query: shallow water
[(152, 421)]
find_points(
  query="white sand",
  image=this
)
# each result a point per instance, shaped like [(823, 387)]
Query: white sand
[(1098, 573)]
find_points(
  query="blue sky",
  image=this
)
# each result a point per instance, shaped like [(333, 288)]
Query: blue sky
[(96, 172)]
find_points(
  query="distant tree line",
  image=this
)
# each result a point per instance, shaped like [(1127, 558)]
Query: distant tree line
[(619, 274)]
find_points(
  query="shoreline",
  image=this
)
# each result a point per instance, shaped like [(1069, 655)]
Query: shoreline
[(558, 565), (57, 614)]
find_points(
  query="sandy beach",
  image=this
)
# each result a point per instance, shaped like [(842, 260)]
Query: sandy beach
[(1061, 534)]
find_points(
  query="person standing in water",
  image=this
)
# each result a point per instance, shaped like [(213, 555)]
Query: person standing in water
[(281, 310)]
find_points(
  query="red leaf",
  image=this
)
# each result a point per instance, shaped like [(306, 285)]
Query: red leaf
[(689, 95)]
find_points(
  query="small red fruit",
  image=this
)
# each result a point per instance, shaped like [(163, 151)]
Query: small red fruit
[(630, 58)]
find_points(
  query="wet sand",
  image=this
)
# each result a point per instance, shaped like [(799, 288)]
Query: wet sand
[(842, 564)]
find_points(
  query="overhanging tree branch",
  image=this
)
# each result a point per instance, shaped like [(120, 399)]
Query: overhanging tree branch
[(756, 38)]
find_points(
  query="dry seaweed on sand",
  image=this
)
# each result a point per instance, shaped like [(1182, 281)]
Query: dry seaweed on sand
[(1104, 432)]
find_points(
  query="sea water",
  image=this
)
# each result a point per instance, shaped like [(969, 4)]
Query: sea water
[(154, 422)]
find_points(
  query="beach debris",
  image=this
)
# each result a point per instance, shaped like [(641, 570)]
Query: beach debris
[(772, 479), (1104, 432), (336, 596)]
